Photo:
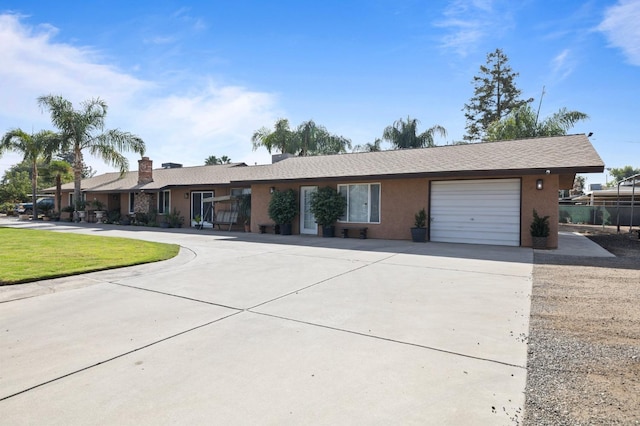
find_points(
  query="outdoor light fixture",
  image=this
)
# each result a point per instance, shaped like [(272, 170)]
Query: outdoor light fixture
[(272, 190), (539, 184), (186, 195)]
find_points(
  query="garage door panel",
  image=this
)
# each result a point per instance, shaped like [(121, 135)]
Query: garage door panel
[(485, 211)]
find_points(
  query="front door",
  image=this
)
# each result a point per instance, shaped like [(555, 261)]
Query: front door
[(308, 223)]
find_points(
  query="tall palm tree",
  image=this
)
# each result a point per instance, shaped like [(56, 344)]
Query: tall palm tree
[(314, 139), (523, 123), (281, 138), (61, 169), (405, 134), (83, 129), (34, 148)]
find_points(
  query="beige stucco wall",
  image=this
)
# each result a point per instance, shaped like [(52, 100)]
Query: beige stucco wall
[(402, 198), (545, 202)]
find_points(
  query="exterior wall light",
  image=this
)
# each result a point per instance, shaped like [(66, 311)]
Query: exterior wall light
[(272, 190), (186, 195), (539, 184)]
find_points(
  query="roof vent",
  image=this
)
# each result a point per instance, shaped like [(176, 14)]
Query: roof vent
[(171, 165)]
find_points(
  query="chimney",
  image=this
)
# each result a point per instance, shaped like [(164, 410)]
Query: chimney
[(279, 157), (145, 171)]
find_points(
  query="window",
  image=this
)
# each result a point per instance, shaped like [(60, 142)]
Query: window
[(236, 192), (132, 202), (83, 197), (363, 202), (164, 202)]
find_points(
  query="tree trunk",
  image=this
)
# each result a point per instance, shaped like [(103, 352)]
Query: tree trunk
[(34, 189), (77, 178), (59, 193)]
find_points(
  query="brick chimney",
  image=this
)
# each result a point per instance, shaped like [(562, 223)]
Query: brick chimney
[(145, 171)]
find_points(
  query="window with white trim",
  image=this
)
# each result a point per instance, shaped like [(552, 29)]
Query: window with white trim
[(363, 202), (164, 202)]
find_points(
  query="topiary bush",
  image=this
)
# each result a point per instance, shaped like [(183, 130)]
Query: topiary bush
[(327, 206)]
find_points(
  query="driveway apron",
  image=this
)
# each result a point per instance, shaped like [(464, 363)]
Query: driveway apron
[(269, 329)]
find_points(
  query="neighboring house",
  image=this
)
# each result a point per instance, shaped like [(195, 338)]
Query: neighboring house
[(481, 193)]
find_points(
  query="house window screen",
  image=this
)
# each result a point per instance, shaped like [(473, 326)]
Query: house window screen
[(363, 202)]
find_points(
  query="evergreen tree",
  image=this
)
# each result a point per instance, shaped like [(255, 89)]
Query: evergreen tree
[(495, 96)]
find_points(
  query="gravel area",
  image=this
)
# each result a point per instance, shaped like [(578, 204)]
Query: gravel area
[(584, 337)]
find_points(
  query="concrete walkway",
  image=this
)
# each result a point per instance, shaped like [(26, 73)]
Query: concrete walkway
[(268, 329)]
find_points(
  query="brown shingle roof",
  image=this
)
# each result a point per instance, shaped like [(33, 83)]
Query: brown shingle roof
[(573, 153), (162, 178), (560, 154)]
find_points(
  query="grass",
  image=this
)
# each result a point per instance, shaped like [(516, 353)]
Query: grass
[(31, 255)]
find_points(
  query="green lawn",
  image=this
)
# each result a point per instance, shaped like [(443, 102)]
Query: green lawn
[(32, 255)]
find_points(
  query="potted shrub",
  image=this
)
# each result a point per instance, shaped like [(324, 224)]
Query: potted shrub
[(327, 206), (66, 213), (283, 209), (80, 210), (419, 231), (98, 207), (539, 230)]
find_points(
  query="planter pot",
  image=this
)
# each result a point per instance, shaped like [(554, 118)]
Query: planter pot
[(81, 216), (539, 242), (328, 231), (285, 229), (99, 216), (419, 235), (164, 225)]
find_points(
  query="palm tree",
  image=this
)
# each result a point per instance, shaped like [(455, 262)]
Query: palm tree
[(212, 160), (61, 169), (405, 134), (281, 138), (83, 129), (523, 123), (317, 140), (369, 146), (34, 147)]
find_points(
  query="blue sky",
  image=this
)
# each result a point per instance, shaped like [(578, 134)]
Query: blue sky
[(195, 79)]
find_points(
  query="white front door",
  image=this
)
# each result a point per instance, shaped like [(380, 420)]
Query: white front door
[(308, 223)]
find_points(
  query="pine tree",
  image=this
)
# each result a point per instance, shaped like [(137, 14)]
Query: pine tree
[(495, 96)]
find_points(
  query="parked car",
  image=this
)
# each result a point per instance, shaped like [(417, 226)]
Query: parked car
[(44, 203)]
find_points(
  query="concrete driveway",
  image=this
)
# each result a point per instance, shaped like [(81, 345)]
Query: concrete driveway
[(269, 329)]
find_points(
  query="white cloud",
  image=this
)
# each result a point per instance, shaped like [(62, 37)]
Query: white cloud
[(468, 23), (562, 65), (620, 25), (181, 124)]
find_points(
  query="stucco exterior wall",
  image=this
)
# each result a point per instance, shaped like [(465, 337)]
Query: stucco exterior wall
[(545, 202), (401, 199)]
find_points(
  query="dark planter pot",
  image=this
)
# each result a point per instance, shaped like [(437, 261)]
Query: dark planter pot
[(164, 225), (328, 231), (285, 229), (539, 242), (419, 235)]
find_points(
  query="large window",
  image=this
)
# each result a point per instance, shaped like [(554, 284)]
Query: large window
[(363, 202), (164, 202)]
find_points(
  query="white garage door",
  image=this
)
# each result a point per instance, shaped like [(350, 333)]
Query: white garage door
[(483, 211)]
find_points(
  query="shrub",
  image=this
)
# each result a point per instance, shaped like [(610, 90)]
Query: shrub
[(283, 207), (540, 225), (327, 206)]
